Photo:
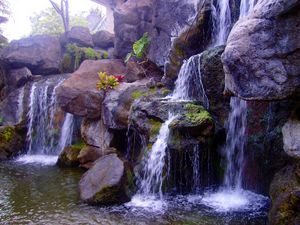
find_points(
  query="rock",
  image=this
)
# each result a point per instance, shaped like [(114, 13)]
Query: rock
[(11, 142), (103, 39), (79, 95), (69, 156), (80, 36), (285, 195), (106, 182), (89, 154), (262, 55), (18, 77), (95, 133), (117, 103), (291, 138), (41, 54)]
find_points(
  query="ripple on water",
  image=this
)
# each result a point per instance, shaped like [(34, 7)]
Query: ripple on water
[(38, 159)]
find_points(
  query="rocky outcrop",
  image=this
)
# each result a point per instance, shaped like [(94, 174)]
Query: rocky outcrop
[(103, 39), (88, 155), (117, 103), (262, 56), (285, 195), (41, 54), (18, 77), (80, 36), (69, 156), (107, 182), (79, 95)]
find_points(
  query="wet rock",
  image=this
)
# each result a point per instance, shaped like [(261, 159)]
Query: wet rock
[(41, 54), (88, 155), (95, 133), (11, 142), (291, 138), (117, 103), (285, 195), (262, 56), (103, 39), (80, 36), (19, 77), (79, 95), (106, 182), (69, 156)]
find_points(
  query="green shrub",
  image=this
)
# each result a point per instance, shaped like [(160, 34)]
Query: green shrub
[(106, 81), (139, 48), (105, 55)]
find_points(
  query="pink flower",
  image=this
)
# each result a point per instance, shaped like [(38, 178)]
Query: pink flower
[(119, 77)]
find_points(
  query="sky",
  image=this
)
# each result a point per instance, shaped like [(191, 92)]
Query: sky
[(19, 26)]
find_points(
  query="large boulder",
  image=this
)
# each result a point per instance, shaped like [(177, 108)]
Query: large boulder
[(103, 39), (80, 36), (285, 195), (107, 182), (79, 94), (68, 157), (262, 55), (41, 54)]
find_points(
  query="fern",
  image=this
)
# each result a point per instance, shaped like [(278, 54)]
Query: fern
[(139, 48)]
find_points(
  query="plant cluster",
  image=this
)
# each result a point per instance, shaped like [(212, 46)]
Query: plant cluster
[(107, 81), (139, 48)]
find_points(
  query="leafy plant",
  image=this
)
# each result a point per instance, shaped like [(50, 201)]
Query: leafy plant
[(107, 81), (139, 48)]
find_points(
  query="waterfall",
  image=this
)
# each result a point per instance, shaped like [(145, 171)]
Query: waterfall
[(20, 109), (189, 86), (235, 142), (49, 128), (222, 22), (246, 7)]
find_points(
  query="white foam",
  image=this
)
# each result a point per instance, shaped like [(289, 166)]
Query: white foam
[(147, 202), (227, 200), (44, 160)]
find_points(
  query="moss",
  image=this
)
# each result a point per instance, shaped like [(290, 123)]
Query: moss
[(78, 146), (155, 127), (66, 64), (90, 53), (196, 113), (137, 94), (105, 55), (7, 134), (165, 91), (153, 90)]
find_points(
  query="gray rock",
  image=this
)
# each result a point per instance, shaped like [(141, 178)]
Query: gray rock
[(79, 94), (80, 36), (291, 138), (18, 77), (262, 56), (103, 39), (94, 133), (105, 183), (41, 54)]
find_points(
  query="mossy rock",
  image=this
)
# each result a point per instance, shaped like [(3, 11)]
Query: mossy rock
[(10, 142), (69, 156)]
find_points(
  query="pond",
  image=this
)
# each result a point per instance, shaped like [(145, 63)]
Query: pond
[(45, 194)]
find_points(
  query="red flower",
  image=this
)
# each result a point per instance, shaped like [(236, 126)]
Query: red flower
[(119, 77)]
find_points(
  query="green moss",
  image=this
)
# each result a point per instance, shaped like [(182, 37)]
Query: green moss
[(165, 91), (66, 64), (196, 113), (90, 53), (153, 90), (78, 146), (7, 134), (105, 55), (137, 94), (155, 127)]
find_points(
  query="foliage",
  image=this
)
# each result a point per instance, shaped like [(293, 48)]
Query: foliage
[(107, 81), (63, 11), (155, 127), (4, 13), (105, 55), (196, 113), (75, 55), (78, 146), (7, 134), (49, 22), (139, 48), (137, 94)]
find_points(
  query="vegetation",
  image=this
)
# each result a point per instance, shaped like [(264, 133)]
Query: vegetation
[(196, 113), (63, 11), (137, 94), (139, 48), (75, 55), (4, 13), (49, 22), (155, 127), (107, 81), (7, 134)]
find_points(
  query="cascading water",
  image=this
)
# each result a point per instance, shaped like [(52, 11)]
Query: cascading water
[(246, 7), (189, 86), (151, 183), (49, 128), (20, 109)]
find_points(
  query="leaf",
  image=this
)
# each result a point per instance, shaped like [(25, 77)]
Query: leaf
[(141, 45)]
